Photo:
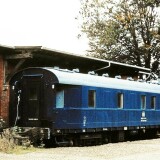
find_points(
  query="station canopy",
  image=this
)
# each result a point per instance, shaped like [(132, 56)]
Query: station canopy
[(38, 56)]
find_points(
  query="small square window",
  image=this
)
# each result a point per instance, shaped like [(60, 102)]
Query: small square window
[(91, 98)]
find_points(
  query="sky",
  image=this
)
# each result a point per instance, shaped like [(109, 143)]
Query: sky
[(47, 23)]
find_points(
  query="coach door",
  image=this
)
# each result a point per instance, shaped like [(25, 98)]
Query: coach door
[(32, 101)]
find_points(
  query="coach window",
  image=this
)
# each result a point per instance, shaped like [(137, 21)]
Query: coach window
[(120, 100), (143, 101), (91, 98), (153, 102), (33, 93), (60, 99)]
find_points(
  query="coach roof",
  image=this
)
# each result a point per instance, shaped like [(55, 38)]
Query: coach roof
[(73, 78)]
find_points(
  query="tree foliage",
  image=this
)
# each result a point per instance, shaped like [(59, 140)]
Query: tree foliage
[(125, 30)]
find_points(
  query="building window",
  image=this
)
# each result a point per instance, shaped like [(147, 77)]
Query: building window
[(153, 102), (91, 98), (120, 100), (143, 101)]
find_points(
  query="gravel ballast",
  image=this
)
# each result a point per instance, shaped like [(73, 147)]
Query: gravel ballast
[(135, 150)]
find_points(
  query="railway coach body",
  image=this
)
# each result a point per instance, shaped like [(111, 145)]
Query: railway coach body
[(68, 102)]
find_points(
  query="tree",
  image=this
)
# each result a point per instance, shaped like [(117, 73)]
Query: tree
[(125, 30)]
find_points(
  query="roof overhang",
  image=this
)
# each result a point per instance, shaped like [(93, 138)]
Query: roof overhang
[(63, 59), (6, 49)]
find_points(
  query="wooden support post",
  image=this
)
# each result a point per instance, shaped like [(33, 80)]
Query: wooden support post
[(22, 56), (15, 69)]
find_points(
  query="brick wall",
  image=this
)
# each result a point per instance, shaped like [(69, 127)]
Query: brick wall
[(4, 93)]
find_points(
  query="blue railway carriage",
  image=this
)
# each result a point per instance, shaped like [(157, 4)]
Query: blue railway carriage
[(76, 108)]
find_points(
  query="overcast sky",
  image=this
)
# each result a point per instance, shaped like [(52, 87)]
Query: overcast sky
[(48, 23)]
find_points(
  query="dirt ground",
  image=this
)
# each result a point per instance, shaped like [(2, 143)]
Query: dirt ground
[(135, 150)]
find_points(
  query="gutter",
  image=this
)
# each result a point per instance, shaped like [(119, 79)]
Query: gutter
[(103, 67)]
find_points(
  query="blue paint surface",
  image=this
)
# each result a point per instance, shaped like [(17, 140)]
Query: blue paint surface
[(77, 115)]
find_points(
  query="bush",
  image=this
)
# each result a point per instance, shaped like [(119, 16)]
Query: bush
[(7, 141)]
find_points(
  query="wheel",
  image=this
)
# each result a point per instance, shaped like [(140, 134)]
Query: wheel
[(106, 140), (71, 143)]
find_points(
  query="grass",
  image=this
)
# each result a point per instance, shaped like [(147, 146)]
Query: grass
[(20, 150), (9, 145), (6, 141)]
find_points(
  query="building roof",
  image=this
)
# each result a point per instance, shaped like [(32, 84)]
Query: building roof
[(46, 57), (85, 63)]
